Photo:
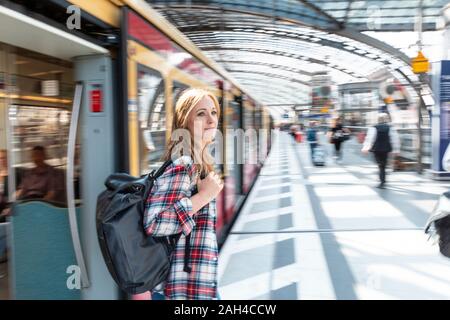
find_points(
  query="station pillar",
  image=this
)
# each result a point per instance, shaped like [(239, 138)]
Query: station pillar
[(446, 40)]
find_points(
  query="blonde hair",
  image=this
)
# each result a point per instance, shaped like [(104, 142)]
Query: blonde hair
[(185, 104)]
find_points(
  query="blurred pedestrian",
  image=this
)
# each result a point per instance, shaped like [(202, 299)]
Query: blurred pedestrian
[(337, 135), (311, 137), (382, 139), (292, 131)]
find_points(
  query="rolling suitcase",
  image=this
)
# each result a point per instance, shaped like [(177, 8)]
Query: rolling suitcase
[(319, 156)]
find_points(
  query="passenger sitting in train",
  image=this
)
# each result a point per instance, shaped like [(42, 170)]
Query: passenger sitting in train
[(38, 182)]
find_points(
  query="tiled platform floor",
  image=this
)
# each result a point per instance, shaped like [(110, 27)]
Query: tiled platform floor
[(310, 232)]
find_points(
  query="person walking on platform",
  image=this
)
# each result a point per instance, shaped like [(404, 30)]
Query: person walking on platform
[(337, 135), (292, 133), (381, 140), (183, 201), (311, 137)]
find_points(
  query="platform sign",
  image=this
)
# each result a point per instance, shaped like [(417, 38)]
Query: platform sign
[(420, 64)]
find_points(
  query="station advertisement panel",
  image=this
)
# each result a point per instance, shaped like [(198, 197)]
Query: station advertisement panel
[(441, 117), (444, 99)]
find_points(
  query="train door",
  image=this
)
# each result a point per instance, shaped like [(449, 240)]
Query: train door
[(38, 93), (233, 164), (4, 222), (53, 128), (250, 147), (218, 153), (236, 123), (260, 134)]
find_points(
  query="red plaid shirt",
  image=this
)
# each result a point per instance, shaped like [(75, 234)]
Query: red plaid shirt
[(169, 211)]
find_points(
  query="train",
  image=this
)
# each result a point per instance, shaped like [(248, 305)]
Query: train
[(95, 83)]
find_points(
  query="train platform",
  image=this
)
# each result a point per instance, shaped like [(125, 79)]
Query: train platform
[(309, 232)]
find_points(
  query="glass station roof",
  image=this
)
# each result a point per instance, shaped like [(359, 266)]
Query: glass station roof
[(272, 48), (382, 15)]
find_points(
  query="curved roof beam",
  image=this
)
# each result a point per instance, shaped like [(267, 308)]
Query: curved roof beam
[(279, 94), (301, 64), (276, 53), (279, 97), (375, 43), (271, 75), (310, 20), (263, 79), (278, 88), (290, 75), (329, 14), (316, 9), (271, 65)]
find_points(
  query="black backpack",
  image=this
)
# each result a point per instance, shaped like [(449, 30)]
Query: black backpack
[(137, 262)]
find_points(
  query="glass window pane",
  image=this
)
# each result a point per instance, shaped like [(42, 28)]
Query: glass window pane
[(152, 119)]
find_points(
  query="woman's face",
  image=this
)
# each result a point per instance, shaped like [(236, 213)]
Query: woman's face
[(202, 121)]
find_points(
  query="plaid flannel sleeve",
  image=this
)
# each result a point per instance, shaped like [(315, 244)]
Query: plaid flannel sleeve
[(169, 209)]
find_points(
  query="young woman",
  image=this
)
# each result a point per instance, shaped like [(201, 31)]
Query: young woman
[(183, 199)]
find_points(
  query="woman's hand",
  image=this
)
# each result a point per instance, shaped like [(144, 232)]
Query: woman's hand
[(210, 187)]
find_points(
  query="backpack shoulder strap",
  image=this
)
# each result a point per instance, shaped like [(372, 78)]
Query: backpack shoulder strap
[(162, 168), (187, 254), (187, 246)]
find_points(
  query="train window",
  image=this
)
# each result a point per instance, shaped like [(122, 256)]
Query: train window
[(217, 149), (177, 89), (258, 126), (39, 114), (39, 132), (232, 148), (152, 118), (251, 139)]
